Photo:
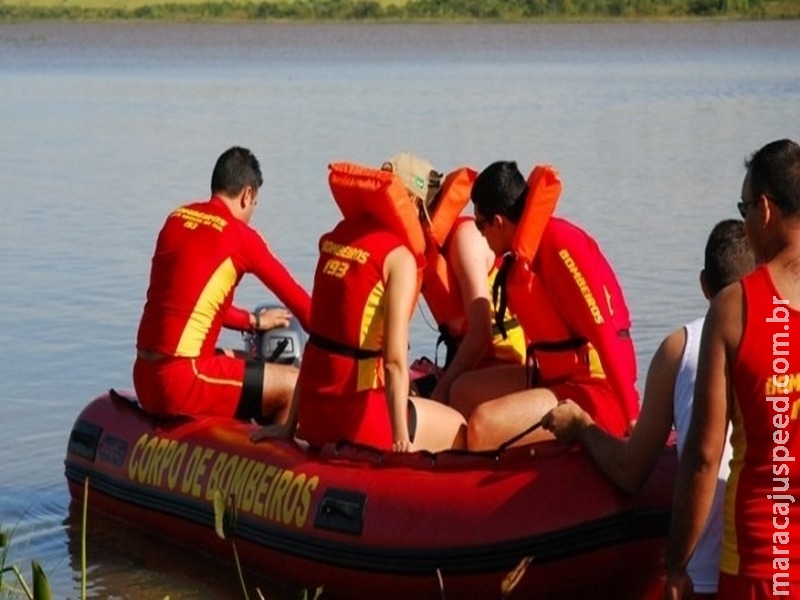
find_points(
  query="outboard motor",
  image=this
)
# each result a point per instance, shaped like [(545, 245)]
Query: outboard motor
[(283, 345)]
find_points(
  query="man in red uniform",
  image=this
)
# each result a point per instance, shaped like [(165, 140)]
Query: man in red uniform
[(749, 373), (202, 252), (570, 305)]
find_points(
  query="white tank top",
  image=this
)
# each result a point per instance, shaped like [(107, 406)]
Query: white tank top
[(703, 568)]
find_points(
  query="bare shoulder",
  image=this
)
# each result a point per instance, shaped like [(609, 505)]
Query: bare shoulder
[(468, 247), (724, 318), (662, 372), (671, 348), (399, 264), (399, 257), (466, 236)]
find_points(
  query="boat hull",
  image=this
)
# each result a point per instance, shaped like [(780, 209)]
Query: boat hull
[(363, 523)]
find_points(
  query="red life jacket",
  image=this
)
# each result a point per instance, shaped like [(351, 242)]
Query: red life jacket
[(378, 217), (568, 299)]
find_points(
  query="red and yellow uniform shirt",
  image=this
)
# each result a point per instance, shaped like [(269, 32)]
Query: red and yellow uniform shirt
[(341, 378), (201, 254), (762, 502)]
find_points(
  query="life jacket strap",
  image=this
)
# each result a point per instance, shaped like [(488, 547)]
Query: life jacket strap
[(557, 345), (451, 342), (507, 324), (532, 367), (335, 347), (450, 346), (499, 296)]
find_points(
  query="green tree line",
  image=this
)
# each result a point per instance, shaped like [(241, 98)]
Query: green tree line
[(412, 10)]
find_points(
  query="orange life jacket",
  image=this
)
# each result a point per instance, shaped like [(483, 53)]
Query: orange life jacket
[(439, 284), (567, 298), (373, 195), (544, 191)]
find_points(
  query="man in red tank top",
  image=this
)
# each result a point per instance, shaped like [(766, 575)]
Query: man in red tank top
[(202, 252), (749, 374)]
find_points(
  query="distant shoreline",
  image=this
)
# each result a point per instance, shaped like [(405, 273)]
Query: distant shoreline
[(418, 11)]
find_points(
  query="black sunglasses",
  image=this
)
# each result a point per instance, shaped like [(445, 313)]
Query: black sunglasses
[(742, 208)]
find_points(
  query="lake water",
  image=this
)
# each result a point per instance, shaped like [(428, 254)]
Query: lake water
[(106, 127)]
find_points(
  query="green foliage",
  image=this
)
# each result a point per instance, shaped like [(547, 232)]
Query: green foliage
[(704, 8), (361, 10), (41, 588), (23, 589)]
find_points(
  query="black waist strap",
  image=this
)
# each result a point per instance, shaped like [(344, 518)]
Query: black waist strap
[(451, 343), (558, 345), (343, 349), (533, 374)]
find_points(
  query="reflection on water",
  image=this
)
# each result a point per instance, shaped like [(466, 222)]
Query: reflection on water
[(130, 564), (106, 127)]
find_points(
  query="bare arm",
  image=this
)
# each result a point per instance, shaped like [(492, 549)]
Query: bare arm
[(628, 463), (698, 471), (400, 274), (470, 257)]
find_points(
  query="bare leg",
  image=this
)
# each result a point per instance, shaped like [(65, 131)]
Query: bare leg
[(439, 427), (496, 421), (476, 387), (278, 387)]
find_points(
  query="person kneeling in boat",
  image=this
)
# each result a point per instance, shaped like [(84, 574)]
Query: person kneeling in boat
[(668, 397), (557, 282), (202, 252), (354, 377), (458, 275)]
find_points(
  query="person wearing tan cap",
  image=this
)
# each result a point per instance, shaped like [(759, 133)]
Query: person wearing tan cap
[(354, 379), (458, 273)]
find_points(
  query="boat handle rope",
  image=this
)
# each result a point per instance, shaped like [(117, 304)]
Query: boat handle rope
[(504, 446)]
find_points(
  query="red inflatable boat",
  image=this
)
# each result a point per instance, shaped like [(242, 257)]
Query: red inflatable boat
[(364, 523)]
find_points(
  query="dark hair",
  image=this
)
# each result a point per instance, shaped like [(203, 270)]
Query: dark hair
[(500, 189), (728, 255), (775, 172), (236, 168)]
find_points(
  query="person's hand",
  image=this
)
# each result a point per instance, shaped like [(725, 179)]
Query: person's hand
[(565, 421), (282, 432), (402, 446), (270, 318), (679, 586)]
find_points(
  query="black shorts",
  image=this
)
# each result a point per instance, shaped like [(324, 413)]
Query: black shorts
[(252, 391), (412, 421)]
